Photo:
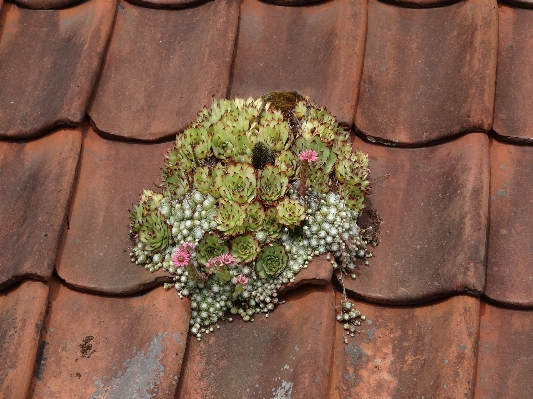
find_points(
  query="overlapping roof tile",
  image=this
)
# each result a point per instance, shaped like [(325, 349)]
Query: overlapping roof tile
[(36, 179), (505, 364), (95, 249), (317, 51), (22, 310), (408, 352), (162, 67), (510, 250), (435, 210), (285, 355), (49, 61), (425, 80), (121, 348), (45, 4), (512, 110)]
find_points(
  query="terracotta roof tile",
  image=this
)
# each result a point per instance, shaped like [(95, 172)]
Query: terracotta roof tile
[(167, 3), (410, 352), (318, 272), (510, 254), (162, 67), (425, 80), (36, 181), (22, 310), (326, 68), (45, 4), (520, 3), (435, 211), (95, 251), (287, 354), (100, 347), (512, 110), (49, 61), (421, 3), (505, 358)]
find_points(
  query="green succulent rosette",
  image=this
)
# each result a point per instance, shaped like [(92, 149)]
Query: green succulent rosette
[(202, 180), (271, 224), (230, 218), (288, 163), (271, 261), (273, 184), (244, 248), (224, 143), (238, 184), (290, 212), (210, 246), (255, 216)]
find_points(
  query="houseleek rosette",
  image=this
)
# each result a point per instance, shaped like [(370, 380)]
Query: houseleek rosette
[(252, 190)]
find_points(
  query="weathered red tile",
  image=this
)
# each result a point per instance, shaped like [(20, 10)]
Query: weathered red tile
[(95, 251), (505, 357), (162, 67), (421, 3), (520, 3), (290, 3), (510, 252), (514, 88), (428, 74), (45, 4), (287, 355), (102, 347), (49, 61), (318, 272), (36, 180), (317, 51), (409, 352), (22, 310), (167, 3), (434, 207)]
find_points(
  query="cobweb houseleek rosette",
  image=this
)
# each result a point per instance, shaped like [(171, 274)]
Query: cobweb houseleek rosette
[(252, 191)]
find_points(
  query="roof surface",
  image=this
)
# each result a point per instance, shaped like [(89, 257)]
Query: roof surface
[(438, 93)]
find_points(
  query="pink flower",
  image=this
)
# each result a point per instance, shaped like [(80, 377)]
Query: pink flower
[(308, 155), (221, 260), (242, 280), (186, 246), (180, 257)]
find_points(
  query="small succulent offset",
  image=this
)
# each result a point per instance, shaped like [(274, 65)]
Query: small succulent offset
[(251, 192)]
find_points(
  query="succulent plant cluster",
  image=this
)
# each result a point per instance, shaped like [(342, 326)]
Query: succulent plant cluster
[(250, 193)]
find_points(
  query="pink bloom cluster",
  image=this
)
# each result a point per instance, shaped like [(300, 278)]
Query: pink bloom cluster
[(181, 255), (242, 280), (308, 155), (222, 260)]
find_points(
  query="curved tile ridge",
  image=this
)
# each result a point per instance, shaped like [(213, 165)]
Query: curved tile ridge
[(45, 4), (293, 3), (520, 3), (286, 355), (171, 4), (424, 351), (317, 51), (510, 252), (49, 61), (513, 120), (102, 347), (421, 3), (36, 181), (434, 207), (162, 67), (94, 251), (505, 353), (428, 74), (22, 311)]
